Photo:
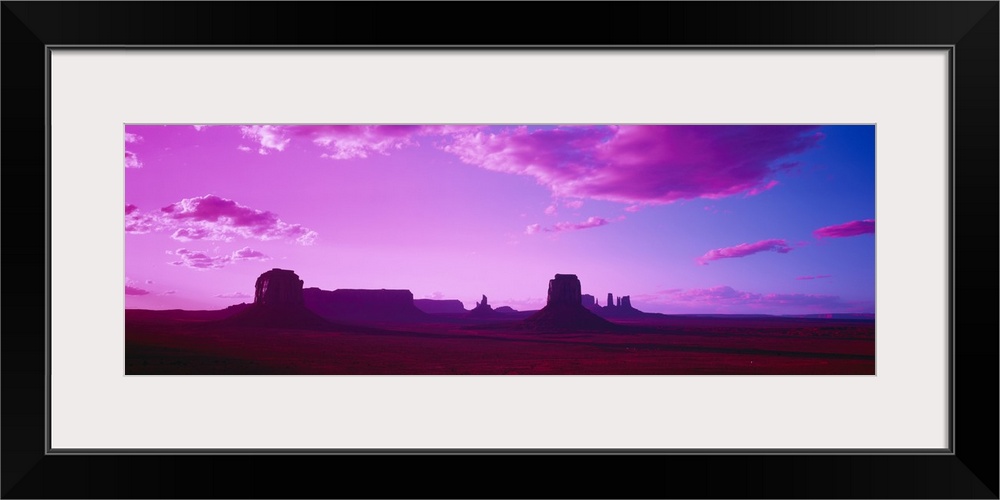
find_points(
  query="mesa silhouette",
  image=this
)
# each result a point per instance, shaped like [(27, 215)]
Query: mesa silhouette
[(289, 329), (564, 309), (281, 301)]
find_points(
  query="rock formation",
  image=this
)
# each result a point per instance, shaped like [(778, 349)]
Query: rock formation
[(278, 303), (278, 287), (564, 289), (434, 306), (363, 306), (622, 307), (564, 309), (483, 308), (590, 302)]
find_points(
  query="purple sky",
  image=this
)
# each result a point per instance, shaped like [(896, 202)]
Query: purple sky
[(684, 219)]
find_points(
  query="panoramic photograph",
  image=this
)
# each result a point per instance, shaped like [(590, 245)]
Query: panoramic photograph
[(507, 249)]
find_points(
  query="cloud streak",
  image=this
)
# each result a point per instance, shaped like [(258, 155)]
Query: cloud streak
[(567, 226), (743, 250), (201, 260), (847, 229), (344, 142), (131, 289), (211, 217), (137, 222), (645, 164), (819, 277), (636, 165), (723, 299), (131, 160), (268, 137)]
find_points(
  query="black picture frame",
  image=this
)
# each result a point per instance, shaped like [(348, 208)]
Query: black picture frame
[(970, 470)]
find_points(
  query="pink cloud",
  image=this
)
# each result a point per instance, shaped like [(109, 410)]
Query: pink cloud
[(744, 249), (573, 226), (526, 304), (131, 160), (760, 189), (550, 210), (137, 222), (199, 260), (131, 138), (267, 136), (633, 208), (818, 277), (343, 142), (132, 289), (640, 164), (568, 226), (574, 204), (246, 253), (211, 217), (726, 298), (853, 228), (234, 295)]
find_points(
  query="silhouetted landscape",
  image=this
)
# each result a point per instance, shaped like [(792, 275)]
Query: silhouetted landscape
[(288, 329)]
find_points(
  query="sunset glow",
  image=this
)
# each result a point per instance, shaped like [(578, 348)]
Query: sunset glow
[(684, 219)]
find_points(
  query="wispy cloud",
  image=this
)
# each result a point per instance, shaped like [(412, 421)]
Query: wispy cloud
[(137, 222), (268, 137), (199, 260), (234, 295), (818, 277), (726, 299), (744, 249), (211, 217), (567, 226), (343, 142), (640, 164), (132, 289), (131, 160), (132, 138), (246, 253), (847, 229)]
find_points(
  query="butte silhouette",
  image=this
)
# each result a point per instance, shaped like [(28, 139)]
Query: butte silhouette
[(564, 310), (277, 303)]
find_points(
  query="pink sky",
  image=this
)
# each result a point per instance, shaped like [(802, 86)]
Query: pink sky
[(460, 211)]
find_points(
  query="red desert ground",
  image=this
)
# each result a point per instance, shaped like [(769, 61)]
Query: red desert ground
[(295, 331)]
